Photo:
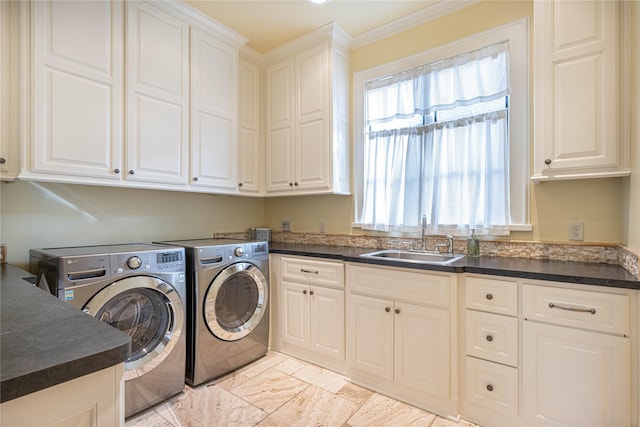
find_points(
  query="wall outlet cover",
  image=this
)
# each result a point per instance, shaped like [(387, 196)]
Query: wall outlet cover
[(576, 230), (286, 225)]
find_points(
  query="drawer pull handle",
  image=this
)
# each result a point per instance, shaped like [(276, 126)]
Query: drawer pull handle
[(387, 309), (489, 297), (304, 270), (489, 387), (579, 310), (489, 338)]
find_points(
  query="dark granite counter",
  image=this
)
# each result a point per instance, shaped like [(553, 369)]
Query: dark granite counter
[(559, 271), (44, 342)]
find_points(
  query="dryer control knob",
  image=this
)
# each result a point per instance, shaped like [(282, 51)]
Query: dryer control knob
[(134, 262), (238, 252)]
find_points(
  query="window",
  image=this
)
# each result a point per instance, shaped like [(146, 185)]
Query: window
[(447, 138)]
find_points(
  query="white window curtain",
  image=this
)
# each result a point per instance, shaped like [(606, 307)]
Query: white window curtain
[(437, 145)]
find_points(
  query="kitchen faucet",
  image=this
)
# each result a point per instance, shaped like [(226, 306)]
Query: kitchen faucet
[(423, 241)]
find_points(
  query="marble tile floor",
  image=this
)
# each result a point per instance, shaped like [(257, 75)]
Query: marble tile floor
[(278, 390)]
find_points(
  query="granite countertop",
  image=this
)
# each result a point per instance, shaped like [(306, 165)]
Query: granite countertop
[(44, 341), (609, 275)]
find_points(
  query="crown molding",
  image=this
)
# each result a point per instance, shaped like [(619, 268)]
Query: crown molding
[(420, 17)]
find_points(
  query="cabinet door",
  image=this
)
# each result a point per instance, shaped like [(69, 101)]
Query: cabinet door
[(327, 322), (295, 314), (8, 145), (280, 123), (370, 336), (214, 117), (77, 88), (312, 159), (422, 349), (576, 86), (574, 378), (249, 179), (157, 95)]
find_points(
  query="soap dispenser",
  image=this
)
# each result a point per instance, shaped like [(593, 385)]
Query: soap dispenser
[(473, 244)]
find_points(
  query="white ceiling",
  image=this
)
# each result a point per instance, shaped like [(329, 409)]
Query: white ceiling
[(268, 23)]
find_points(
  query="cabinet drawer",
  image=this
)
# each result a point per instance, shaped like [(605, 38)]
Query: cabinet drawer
[(398, 284), (596, 311), (491, 386), (492, 337), (492, 295), (313, 271)]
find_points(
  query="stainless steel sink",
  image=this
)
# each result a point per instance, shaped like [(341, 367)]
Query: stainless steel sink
[(414, 257)]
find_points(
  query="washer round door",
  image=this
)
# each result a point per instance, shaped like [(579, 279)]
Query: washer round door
[(149, 310), (236, 301)]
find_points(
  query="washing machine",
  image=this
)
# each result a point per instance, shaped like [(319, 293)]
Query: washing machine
[(138, 289), (227, 305)]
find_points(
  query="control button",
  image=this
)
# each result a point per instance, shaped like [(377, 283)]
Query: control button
[(239, 252), (147, 267), (119, 270), (134, 262)]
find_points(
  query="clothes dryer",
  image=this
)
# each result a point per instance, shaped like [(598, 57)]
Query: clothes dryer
[(138, 289), (228, 310)]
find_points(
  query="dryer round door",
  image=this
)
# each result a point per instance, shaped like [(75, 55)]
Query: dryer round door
[(149, 310), (236, 301)]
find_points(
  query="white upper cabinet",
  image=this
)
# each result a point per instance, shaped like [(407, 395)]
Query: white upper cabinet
[(250, 153), (8, 75), (77, 89), (214, 113), (306, 116), (157, 95), (148, 106), (579, 72)]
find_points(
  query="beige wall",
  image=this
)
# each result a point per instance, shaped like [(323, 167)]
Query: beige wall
[(597, 203), (48, 215), (632, 184)]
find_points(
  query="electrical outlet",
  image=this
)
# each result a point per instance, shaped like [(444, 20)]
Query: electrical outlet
[(323, 227), (286, 225), (576, 231)]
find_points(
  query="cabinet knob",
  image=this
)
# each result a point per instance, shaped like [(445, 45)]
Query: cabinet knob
[(291, 184), (304, 292), (240, 185), (489, 338), (195, 178), (397, 311), (489, 297), (295, 183), (489, 387), (547, 162), (2, 161), (132, 172), (116, 170), (387, 309), (310, 292)]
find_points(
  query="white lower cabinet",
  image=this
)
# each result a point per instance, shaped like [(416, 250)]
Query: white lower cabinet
[(491, 341), (311, 304), (576, 375), (399, 334), (574, 378), (93, 400), (313, 318), (541, 353)]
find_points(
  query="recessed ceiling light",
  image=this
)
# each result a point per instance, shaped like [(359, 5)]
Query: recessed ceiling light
[(318, 1)]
